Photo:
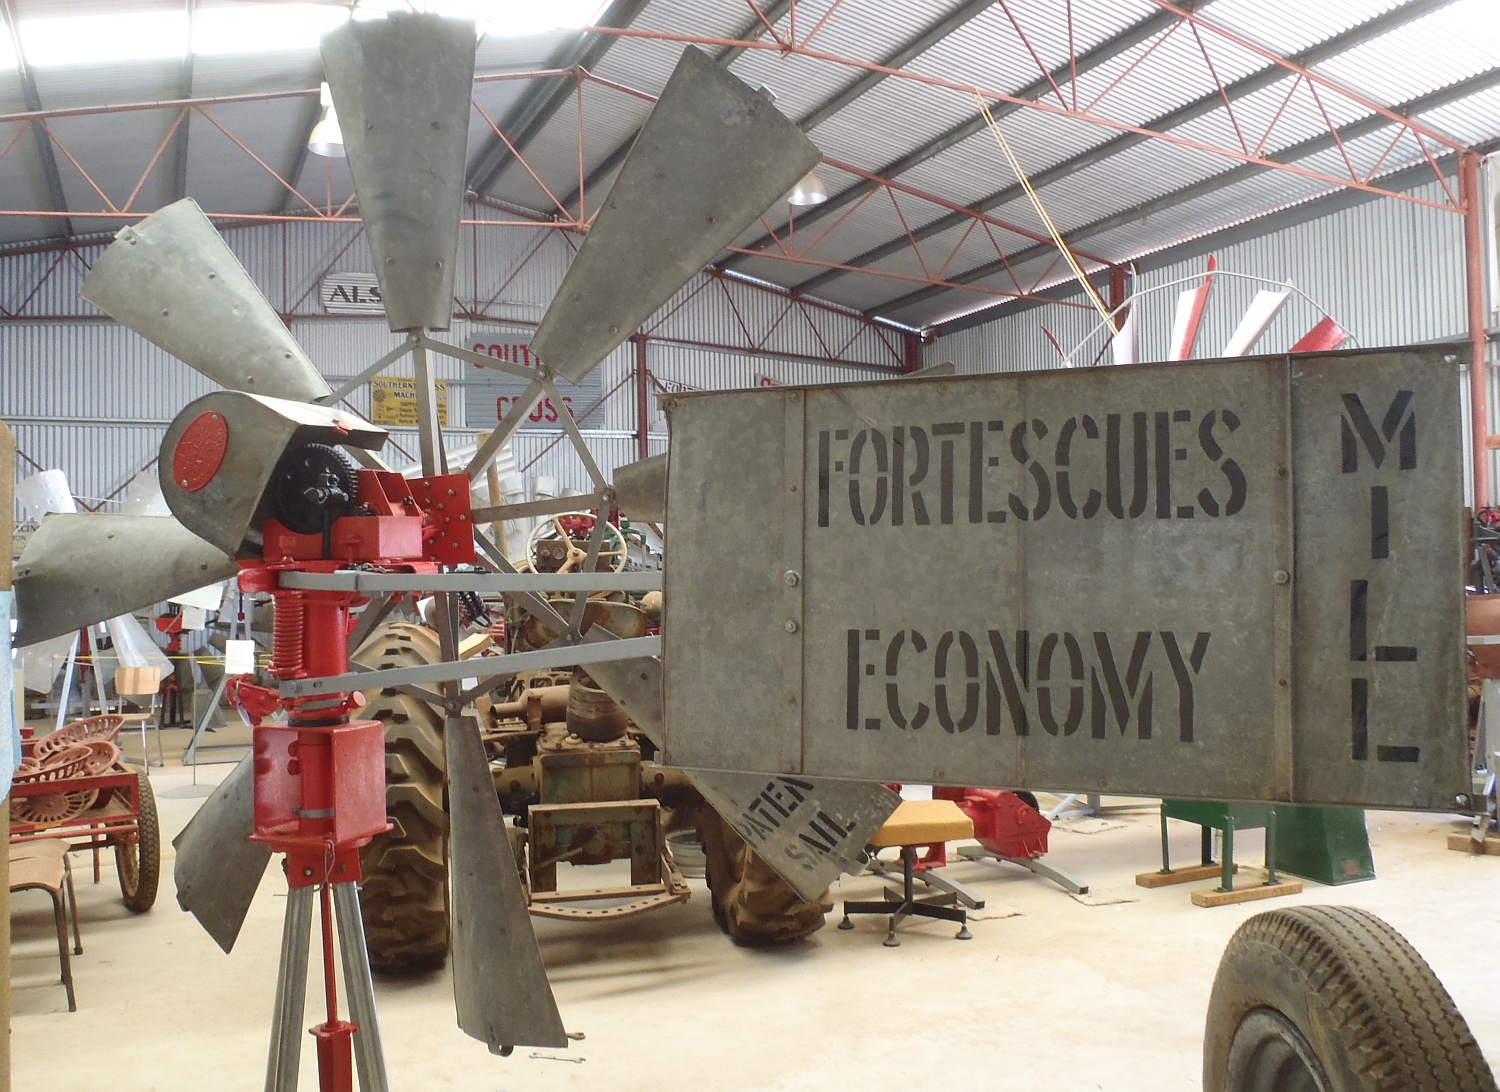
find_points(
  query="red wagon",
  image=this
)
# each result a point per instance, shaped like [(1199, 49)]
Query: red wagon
[(73, 785)]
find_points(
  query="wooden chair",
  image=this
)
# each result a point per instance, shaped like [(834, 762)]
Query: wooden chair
[(914, 824), (135, 683), (43, 866)]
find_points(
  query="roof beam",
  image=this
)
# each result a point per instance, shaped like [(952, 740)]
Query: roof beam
[(1203, 105), (904, 55), (1142, 31), (1474, 85), (312, 113), (44, 149), (724, 58), (531, 115), (184, 91)]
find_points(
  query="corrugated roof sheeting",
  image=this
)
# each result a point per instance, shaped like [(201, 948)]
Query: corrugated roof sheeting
[(988, 52), (1288, 25), (256, 73), (889, 120), (268, 129), (1163, 77), (976, 167), (500, 51), (66, 86), (119, 157), (646, 63), (1391, 273), (870, 31), (609, 118), (11, 98), (23, 186), (1438, 49), (1471, 120)]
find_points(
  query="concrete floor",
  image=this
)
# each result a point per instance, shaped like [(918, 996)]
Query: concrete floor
[(1051, 992)]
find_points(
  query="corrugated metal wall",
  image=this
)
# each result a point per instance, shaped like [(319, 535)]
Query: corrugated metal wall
[(1389, 272), (93, 399)]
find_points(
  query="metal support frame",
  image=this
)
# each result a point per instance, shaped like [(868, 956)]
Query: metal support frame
[(1036, 867), (284, 1058), (1214, 98), (1054, 92), (1479, 382)]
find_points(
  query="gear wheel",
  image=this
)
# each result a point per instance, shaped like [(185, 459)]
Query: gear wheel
[(312, 486), (404, 896)]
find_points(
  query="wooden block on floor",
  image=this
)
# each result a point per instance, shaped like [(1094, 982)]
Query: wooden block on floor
[(1180, 875), (1248, 893), (1463, 843)]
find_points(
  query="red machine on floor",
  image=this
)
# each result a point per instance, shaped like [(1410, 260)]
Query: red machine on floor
[(1007, 825)]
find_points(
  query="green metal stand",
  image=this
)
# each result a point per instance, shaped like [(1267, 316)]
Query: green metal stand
[(1327, 845), (1217, 815)]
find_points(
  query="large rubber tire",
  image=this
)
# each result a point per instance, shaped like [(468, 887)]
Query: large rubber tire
[(138, 862), (752, 904), (1332, 999), (404, 897)]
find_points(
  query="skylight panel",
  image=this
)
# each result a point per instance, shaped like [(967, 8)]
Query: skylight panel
[(518, 18), (7, 50), (103, 39), (263, 28)]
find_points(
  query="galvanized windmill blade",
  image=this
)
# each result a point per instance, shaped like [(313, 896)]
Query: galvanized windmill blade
[(173, 280), (80, 569), (641, 489), (402, 87), (218, 868), (500, 986), (712, 156)]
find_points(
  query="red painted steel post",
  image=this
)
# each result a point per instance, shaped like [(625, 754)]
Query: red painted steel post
[(1479, 383), (912, 357)]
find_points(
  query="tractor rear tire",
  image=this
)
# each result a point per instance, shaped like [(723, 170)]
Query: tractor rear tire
[(1332, 999), (754, 906), (404, 896)]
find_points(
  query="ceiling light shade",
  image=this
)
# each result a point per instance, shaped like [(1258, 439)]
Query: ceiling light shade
[(809, 191), (327, 139)]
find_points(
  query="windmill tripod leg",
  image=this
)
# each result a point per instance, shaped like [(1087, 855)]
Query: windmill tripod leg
[(291, 993), (335, 1037), (369, 1055)]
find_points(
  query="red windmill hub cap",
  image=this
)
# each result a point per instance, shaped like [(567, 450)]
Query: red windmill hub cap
[(200, 451)]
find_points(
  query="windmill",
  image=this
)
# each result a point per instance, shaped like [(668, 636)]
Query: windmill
[(256, 468)]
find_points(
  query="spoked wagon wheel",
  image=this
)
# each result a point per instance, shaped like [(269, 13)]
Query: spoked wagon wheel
[(138, 858)]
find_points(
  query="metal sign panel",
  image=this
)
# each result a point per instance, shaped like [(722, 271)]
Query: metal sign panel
[(393, 401), (1236, 580), (490, 395), (810, 830), (351, 294)]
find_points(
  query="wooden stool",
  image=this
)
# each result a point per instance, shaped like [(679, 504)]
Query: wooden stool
[(43, 866), (913, 824)]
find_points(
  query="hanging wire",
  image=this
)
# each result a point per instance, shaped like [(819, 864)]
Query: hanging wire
[(1015, 165)]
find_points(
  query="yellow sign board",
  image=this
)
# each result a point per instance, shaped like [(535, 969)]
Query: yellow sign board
[(394, 402)]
